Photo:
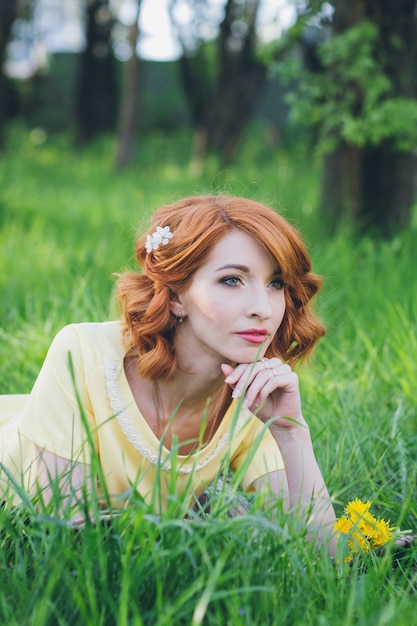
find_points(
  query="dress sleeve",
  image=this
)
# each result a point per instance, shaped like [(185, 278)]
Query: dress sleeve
[(257, 455), (53, 418)]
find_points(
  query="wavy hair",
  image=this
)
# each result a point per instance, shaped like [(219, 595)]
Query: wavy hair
[(198, 223)]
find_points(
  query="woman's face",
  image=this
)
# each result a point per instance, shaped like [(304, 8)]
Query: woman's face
[(234, 304)]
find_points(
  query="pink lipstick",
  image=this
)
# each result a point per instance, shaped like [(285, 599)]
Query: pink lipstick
[(253, 335)]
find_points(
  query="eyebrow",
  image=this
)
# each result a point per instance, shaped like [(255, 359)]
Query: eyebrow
[(234, 266), (244, 268)]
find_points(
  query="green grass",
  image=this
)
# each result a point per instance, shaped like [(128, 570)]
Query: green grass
[(67, 222)]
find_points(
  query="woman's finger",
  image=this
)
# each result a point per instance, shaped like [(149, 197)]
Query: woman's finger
[(243, 375), (259, 391)]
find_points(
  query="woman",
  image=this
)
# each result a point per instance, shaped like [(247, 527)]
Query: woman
[(210, 330)]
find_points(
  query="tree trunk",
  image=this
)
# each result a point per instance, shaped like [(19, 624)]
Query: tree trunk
[(341, 186), (129, 115), (240, 80), (389, 190), (8, 12), (372, 188), (96, 92), (375, 186), (221, 107), (232, 107)]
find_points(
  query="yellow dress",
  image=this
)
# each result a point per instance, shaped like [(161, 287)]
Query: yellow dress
[(84, 368)]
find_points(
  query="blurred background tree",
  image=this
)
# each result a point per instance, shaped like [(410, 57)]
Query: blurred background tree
[(9, 10), (96, 93), (353, 75), (223, 82), (131, 102), (358, 90)]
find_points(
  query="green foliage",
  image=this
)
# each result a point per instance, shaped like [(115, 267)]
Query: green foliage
[(353, 98), (67, 222)]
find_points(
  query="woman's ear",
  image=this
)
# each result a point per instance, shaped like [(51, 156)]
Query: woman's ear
[(176, 306)]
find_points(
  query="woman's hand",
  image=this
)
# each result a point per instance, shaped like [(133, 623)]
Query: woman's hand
[(271, 390)]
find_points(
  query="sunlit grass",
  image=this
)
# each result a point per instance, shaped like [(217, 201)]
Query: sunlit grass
[(67, 222)]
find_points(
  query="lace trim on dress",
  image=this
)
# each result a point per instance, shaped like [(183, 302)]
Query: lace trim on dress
[(133, 435)]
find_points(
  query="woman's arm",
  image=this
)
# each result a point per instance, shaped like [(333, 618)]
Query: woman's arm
[(271, 390), (301, 487), (65, 481), (307, 492)]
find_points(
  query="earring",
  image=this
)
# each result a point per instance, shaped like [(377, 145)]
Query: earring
[(180, 317)]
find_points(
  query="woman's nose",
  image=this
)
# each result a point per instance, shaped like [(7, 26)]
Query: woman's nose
[(259, 305)]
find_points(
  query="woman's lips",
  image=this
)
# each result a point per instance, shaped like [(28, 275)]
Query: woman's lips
[(253, 336)]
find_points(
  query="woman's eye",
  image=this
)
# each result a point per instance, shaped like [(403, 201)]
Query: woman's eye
[(232, 281), (278, 283)]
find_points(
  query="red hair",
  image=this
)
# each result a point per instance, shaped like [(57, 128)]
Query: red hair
[(198, 223)]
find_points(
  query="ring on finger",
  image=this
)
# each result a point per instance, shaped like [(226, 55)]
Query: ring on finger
[(274, 371), (263, 363)]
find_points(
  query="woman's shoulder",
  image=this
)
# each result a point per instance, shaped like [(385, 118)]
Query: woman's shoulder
[(94, 330), (99, 337)]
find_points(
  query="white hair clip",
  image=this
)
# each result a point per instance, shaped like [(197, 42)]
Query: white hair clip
[(160, 235)]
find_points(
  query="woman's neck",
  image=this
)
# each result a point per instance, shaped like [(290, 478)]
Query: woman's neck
[(198, 376), (185, 395), (190, 390)]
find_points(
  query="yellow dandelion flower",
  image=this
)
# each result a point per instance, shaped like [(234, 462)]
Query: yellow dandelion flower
[(366, 524), (381, 533), (356, 509), (364, 530), (358, 542), (343, 525)]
